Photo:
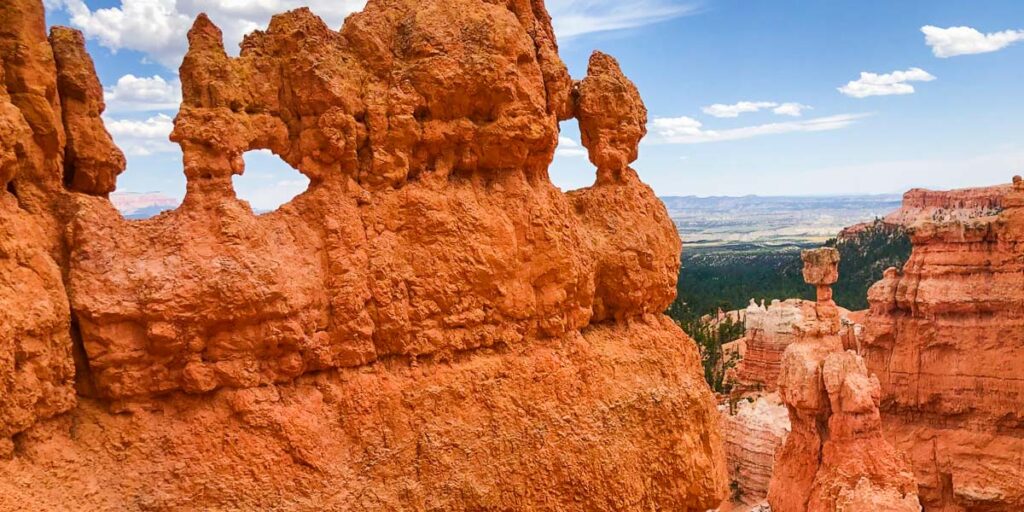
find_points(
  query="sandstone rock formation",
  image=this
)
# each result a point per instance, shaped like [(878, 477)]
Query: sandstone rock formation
[(36, 368), (946, 339), (768, 331), (753, 430), (432, 325), (92, 161), (835, 458), (922, 205)]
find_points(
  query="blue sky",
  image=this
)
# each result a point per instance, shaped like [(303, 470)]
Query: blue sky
[(743, 96)]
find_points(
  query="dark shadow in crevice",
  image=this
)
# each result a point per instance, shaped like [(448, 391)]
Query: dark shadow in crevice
[(69, 168), (84, 383)]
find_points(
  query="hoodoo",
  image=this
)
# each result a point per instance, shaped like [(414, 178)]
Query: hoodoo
[(835, 457), (432, 325)]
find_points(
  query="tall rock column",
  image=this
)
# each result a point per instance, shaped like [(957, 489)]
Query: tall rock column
[(36, 366), (834, 458), (92, 161)]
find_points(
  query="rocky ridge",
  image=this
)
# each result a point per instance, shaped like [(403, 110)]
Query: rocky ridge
[(768, 331), (945, 337), (922, 205), (431, 325)]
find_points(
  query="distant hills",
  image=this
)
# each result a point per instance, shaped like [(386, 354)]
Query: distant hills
[(137, 206), (752, 222), (718, 223)]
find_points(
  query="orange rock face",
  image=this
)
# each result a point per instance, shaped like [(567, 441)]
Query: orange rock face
[(922, 205), (835, 458), (92, 161), (769, 330), (946, 339), (430, 226), (36, 368), (432, 325)]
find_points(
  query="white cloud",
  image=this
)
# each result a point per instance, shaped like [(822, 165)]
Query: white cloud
[(791, 109), (722, 110), (144, 137), (576, 17), (686, 130), (873, 84), (734, 110), (153, 27), (953, 41), (158, 28), (271, 196), (132, 93), (569, 148)]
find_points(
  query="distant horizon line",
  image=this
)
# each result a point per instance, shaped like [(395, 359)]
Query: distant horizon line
[(688, 196), (795, 196)]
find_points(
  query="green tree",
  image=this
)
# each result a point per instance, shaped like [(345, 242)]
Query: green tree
[(710, 335)]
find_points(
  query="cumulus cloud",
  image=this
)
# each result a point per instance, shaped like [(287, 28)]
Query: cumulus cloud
[(722, 110), (953, 41), (686, 130), (158, 28), (143, 137), (153, 27), (572, 18), (132, 93), (873, 84), (569, 148)]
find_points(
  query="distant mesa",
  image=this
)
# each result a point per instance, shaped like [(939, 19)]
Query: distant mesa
[(142, 205)]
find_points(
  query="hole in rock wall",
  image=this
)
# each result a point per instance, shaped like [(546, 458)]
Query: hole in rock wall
[(268, 182), (571, 169), (153, 181)]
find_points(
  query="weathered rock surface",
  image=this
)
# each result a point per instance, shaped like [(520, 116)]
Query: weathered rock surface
[(612, 117), (768, 331), (587, 422), (753, 430), (432, 325), (430, 226), (36, 367), (835, 457), (92, 161), (946, 339), (922, 205)]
